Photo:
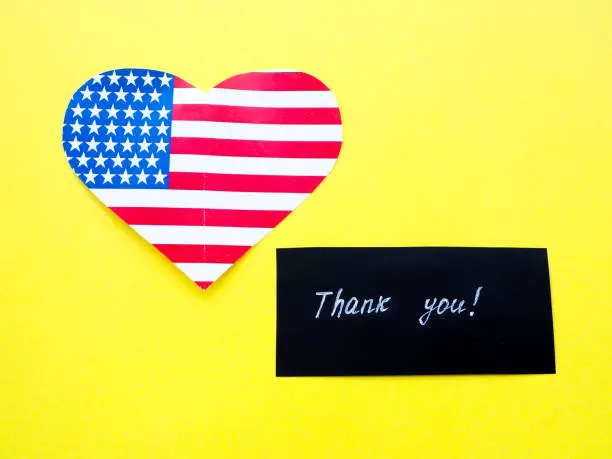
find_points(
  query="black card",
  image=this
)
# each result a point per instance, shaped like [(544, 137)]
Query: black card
[(408, 311)]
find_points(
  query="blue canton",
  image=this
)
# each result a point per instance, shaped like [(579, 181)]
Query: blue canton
[(117, 129)]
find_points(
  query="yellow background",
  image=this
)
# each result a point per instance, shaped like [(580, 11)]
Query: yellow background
[(472, 123)]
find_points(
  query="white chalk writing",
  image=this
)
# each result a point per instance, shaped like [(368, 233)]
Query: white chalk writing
[(454, 306), (353, 306)]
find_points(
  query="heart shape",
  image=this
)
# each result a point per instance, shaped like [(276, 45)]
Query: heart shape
[(202, 176)]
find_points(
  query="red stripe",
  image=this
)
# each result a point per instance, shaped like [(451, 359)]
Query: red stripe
[(246, 218), (274, 81), (235, 182), (203, 285), (254, 148), (180, 83), (256, 115), (201, 217), (202, 253), (160, 216)]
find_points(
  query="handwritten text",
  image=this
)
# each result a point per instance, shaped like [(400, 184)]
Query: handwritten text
[(352, 307), (454, 306)]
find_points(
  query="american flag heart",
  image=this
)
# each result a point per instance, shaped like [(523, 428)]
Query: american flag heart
[(202, 176)]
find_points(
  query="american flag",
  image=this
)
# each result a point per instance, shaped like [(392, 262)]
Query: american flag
[(203, 176)]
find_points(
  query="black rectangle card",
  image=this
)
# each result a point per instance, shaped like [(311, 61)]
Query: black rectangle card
[(409, 311)]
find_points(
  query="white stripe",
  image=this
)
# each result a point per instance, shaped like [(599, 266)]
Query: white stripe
[(247, 131), (206, 272), (316, 167), (198, 199), (201, 235), (248, 98)]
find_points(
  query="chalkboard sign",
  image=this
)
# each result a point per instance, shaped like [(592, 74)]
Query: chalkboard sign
[(426, 310)]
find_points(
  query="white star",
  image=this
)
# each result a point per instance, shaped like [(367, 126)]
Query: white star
[(138, 95), (152, 160), (142, 177), (118, 161), (131, 79), (148, 79), (95, 111), (100, 160), (146, 113), (128, 128), (97, 79), (129, 112), (165, 80), (104, 94), (155, 95), (144, 145), (90, 177), (110, 145), (92, 144), (76, 127), (113, 77), (159, 177), (86, 93), (83, 160), (161, 145), (69, 158), (127, 145), (163, 113), (125, 177), (108, 177), (111, 128), (93, 127), (121, 95), (145, 128), (112, 112), (74, 144), (135, 160), (162, 128), (77, 111)]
